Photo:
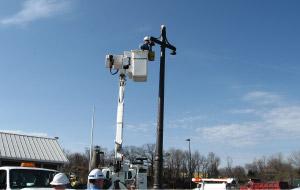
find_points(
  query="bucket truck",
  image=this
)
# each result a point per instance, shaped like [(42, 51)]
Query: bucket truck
[(122, 173)]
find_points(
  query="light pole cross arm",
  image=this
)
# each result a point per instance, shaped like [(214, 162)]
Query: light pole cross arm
[(167, 45)]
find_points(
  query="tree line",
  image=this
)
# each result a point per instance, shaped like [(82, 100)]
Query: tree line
[(176, 166)]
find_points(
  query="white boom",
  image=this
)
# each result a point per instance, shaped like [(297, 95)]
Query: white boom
[(119, 132), (134, 65)]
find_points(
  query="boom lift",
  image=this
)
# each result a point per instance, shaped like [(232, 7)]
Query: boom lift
[(134, 65)]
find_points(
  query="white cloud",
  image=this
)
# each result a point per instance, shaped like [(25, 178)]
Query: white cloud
[(185, 122), (274, 119), (236, 135), (261, 97), (285, 119), (242, 111), (142, 127), (280, 121), (36, 9)]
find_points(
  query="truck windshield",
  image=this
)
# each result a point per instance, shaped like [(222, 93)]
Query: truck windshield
[(22, 178)]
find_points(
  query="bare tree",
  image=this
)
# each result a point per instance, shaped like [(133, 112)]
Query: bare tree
[(149, 153), (176, 165), (213, 164), (228, 169), (239, 173), (175, 162), (278, 168), (294, 159), (257, 168), (196, 163), (78, 165), (205, 167), (132, 152)]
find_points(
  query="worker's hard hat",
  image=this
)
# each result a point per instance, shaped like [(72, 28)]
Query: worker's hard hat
[(146, 38), (60, 179), (96, 174)]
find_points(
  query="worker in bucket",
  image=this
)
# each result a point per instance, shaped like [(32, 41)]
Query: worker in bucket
[(60, 181), (95, 179)]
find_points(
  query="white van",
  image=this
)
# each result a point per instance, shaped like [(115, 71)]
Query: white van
[(14, 177)]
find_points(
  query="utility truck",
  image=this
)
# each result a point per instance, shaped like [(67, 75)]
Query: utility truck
[(215, 183), (123, 174), (17, 177)]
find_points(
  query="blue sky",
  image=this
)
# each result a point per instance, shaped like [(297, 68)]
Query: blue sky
[(233, 87)]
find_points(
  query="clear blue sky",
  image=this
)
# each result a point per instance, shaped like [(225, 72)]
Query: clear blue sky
[(233, 87)]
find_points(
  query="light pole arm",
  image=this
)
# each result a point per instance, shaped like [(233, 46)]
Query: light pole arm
[(167, 45)]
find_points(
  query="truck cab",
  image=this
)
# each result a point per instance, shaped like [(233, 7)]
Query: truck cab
[(15, 177)]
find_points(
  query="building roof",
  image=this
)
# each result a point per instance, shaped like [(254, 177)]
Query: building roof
[(30, 148)]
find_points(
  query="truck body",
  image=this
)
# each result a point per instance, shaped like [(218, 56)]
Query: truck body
[(215, 183), (130, 175), (276, 185), (15, 177)]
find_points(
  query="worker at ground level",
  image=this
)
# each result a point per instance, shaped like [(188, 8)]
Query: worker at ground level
[(95, 179), (60, 181)]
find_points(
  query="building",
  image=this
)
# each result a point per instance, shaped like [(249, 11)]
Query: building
[(42, 151)]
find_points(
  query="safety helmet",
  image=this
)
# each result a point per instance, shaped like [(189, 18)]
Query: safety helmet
[(96, 174), (60, 179), (146, 38)]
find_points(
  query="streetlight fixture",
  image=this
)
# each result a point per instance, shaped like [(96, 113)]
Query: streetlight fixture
[(150, 41), (190, 161)]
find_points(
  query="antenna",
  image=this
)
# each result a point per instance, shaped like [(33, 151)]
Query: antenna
[(92, 137)]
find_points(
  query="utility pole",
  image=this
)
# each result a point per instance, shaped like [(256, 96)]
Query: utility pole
[(158, 161), (92, 139), (190, 161)]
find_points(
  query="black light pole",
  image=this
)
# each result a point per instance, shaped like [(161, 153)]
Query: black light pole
[(158, 160), (190, 161)]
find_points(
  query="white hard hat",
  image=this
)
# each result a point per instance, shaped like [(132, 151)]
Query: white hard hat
[(146, 38), (96, 174), (60, 179)]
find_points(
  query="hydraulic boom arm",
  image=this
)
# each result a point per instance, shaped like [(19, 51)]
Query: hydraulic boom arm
[(119, 132), (134, 65)]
